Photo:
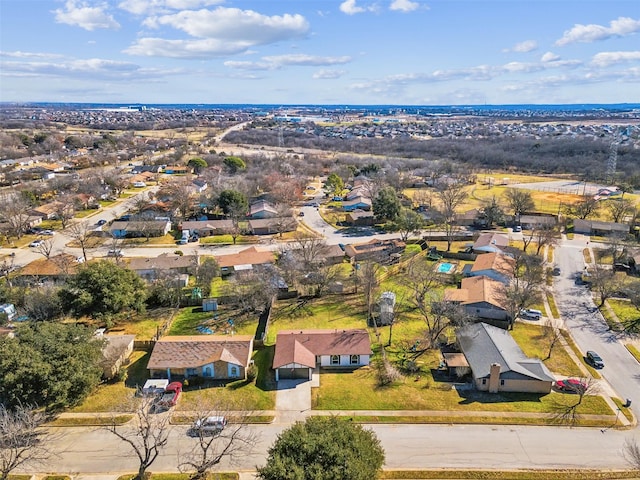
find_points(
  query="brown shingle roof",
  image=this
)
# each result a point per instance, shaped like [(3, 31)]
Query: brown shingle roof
[(163, 262), (62, 264), (476, 290), (302, 346), (196, 351), (249, 256), (499, 262), (497, 239)]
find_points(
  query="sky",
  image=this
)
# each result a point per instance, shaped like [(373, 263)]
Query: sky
[(335, 52)]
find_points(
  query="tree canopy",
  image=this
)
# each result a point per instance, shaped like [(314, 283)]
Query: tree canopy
[(198, 164), (324, 448), (386, 205), (103, 288), (49, 364), (233, 202), (334, 184), (234, 164)]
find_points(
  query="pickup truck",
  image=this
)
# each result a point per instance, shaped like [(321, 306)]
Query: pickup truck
[(168, 398)]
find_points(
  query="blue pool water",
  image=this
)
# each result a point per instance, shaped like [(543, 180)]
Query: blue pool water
[(445, 267)]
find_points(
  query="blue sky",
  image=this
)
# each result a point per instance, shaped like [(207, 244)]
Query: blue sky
[(414, 52)]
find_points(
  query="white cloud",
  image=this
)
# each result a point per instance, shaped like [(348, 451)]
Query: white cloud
[(235, 25), (19, 54), (83, 15), (326, 74), (523, 47), (549, 57), (404, 6), (279, 61), (142, 7), (205, 48), (302, 59), (620, 27), (350, 8), (605, 59)]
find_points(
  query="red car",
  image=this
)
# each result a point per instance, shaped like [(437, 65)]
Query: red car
[(571, 385), (168, 398)]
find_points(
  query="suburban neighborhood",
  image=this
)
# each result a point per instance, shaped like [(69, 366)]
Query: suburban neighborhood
[(187, 289)]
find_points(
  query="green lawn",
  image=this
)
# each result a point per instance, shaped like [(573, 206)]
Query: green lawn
[(534, 343), (145, 325), (359, 391), (628, 315), (109, 397), (188, 318)]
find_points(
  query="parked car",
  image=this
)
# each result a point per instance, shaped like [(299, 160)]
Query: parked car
[(301, 214), (36, 243), (571, 385), (101, 222), (517, 228), (531, 314), (556, 271), (47, 232), (208, 426), (139, 184), (114, 252), (594, 359), (168, 398)]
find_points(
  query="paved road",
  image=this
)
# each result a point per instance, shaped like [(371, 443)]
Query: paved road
[(587, 326), (96, 451)]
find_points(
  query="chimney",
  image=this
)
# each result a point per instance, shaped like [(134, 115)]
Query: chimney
[(494, 378)]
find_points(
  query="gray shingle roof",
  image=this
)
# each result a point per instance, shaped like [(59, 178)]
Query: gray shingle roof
[(485, 344)]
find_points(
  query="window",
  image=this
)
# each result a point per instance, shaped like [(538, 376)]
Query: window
[(335, 359), (502, 382), (484, 381), (191, 372), (233, 372), (354, 359), (207, 372)]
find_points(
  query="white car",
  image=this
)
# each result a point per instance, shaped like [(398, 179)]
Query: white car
[(36, 243), (139, 184)]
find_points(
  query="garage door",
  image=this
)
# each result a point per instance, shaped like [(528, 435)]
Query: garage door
[(293, 373)]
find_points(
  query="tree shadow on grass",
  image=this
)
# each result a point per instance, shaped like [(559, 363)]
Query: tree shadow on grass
[(472, 396)]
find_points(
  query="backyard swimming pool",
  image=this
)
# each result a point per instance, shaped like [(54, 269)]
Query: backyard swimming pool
[(445, 267)]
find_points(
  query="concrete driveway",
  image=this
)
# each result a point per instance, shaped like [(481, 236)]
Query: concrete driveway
[(293, 400)]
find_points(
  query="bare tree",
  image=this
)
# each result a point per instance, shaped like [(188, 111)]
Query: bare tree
[(15, 211), (631, 453), (603, 281), (583, 209), (81, 233), (619, 209), (520, 201), (567, 412), (148, 437), (45, 248), (233, 442), (545, 235), (526, 285), (553, 335), (64, 210), (22, 442), (451, 196)]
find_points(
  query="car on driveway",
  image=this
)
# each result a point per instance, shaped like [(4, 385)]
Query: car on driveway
[(594, 359), (571, 385), (36, 243), (531, 314)]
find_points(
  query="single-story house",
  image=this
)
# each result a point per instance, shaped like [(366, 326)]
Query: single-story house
[(52, 210), (115, 353), (244, 259), (359, 218), (596, 227), (529, 222), (481, 297), (140, 228), (374, 249), (269, 226), (53, 269), (358, 203), (219, 357), (176, 170), (199, 185), (145, 168), (470, 218), (357, 191), (490, 242), (206, 228), (262, 209), (299, 352), (498, 364), (151, 268), (495, 265), (85, 201)]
